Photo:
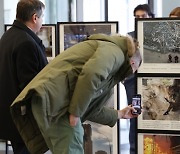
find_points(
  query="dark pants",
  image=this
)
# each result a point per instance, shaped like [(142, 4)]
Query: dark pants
[(19, 148), (129, 84)]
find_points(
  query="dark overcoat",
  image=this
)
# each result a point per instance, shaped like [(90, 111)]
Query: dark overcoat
[(22, 56)]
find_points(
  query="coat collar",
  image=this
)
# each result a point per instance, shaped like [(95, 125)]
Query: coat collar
[(22, 26), (120, 41)]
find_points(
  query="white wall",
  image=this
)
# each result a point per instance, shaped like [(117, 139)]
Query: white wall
[(9, 11), (1, 17), (122, 11), (168, 6)]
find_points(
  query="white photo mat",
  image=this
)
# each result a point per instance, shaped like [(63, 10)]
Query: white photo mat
[(159, 41), (156, 99)]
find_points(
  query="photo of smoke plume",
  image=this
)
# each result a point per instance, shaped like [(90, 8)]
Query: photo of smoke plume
[(159, 144)]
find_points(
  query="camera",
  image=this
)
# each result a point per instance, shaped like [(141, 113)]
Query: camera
[(136, 103)]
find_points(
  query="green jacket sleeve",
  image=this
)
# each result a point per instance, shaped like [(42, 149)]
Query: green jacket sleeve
[(106, 61), (107, 116)]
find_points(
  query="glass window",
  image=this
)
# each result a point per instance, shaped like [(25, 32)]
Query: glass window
[(9, 11), (93, 10), (122, 11)]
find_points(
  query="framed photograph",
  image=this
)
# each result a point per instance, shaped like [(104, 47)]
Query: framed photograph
[(71, 33), (100, 138), (158, 143), (47, 34), (160, 103), (159, 41)]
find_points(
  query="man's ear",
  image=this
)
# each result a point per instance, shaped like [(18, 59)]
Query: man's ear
[(34, 17), (132, 62)]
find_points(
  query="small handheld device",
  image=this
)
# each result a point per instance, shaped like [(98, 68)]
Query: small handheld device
[(136, 103)]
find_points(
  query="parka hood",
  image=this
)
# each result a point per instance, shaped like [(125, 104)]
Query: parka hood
[(124, 42)]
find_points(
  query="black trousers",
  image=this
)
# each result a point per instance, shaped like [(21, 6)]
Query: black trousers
[(19, 148)]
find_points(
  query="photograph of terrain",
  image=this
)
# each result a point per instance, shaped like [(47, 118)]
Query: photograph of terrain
[(161, 42), (160, 98), (159, 144)]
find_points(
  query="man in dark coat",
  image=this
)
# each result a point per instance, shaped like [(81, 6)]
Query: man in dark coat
[(141, 11), (22, 56)]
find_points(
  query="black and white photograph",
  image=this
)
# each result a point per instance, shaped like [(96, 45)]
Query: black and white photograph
[(160, 45), (160, 103), (158, 143), (75, 32)]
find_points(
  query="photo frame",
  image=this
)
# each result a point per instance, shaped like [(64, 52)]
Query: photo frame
[(71, 33), (152, 143), (7, 26), (159, 41), (97, 138), (101, 138), (47, 34), (160, 103)]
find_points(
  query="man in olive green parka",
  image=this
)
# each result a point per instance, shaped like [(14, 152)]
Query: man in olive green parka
[(73, 88)]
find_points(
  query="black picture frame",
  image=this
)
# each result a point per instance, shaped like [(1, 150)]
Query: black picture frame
[(159, 41), (101, 138), (156, 143), (160, 95), (48, 36), (70, 33)]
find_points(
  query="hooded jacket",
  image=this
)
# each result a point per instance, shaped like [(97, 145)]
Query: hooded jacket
[(78, 81)]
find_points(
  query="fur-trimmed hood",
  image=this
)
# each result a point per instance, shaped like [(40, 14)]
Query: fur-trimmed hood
[(126, 43)]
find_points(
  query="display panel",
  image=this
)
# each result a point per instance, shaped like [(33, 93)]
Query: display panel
[(71, 33), (98, 138), (47, 34), (159, 41), (160, 103), (101, 138), (158, 143)]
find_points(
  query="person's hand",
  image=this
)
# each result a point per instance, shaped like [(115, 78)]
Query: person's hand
[(73, 120), (126, 113)]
